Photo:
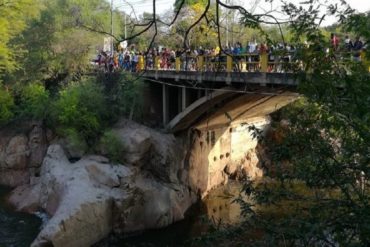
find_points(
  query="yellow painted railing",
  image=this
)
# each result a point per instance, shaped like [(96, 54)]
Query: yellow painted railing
[(251, 62)]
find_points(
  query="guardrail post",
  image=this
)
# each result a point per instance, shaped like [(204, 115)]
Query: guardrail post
[(156, 63), (264, 62), (165, 105), (177, 64), (229, 63), (200, 63), (141, 63)]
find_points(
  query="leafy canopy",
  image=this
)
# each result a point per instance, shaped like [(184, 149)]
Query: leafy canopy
[(13, 20)]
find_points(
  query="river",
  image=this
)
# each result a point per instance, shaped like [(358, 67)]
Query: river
[(19, 229), (16, 229)]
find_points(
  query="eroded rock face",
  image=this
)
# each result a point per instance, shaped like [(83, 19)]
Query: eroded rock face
[(26, 198), (159, 153), (95, 198), (17, 153), (13, 178), (37, 143), (22, 150), (217, 154)]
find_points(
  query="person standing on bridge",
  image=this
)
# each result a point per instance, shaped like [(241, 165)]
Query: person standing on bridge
[(236, 53), (135, 61), (357, 47), (334, 40), (348, 45), (120, 59)]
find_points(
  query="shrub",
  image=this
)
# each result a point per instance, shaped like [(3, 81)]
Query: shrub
[(81, 107), (34, 101), (6, 105), (125, 97), (112, 146), (74, 140)]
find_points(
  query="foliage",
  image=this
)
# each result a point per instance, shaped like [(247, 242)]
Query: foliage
[(320, 170), (34, 101), (13, 20), (81, 107), (56, 45), (112, 146), (204, 34), (125, 97), (360, 24), (6, 105), (177, 3), (74, 140)]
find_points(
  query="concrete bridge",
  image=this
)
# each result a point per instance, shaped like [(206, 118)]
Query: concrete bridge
[(214, 116), (180, 99), (259, 78)]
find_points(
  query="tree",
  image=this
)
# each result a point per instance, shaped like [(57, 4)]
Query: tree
[(321, 167), (13, 20), (179, 3), (204, 34), (55, 44)]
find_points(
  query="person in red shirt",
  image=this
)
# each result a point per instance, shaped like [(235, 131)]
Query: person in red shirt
[(334, 41)]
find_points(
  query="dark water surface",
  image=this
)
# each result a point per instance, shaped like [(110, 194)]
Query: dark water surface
[(217, 208), (19, 229), (16, 229)]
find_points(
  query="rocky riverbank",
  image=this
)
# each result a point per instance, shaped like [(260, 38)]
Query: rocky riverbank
[(94, 196)]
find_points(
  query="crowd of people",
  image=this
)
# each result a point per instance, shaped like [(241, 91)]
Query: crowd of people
[(245, 58), (348, 46)]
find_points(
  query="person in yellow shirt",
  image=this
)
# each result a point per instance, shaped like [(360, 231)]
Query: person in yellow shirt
[(217, 50)]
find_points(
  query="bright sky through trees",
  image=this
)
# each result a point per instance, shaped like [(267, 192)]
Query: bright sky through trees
[(141, 6)]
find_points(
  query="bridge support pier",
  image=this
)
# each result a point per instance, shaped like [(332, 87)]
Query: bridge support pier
[(184, 98), (165, 105)]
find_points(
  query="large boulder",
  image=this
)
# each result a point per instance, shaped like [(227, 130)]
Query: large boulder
[(14, 178), (150, 204), (38, 144), (26, 198), (22, 150), (93, 198), (159, 153), (137, 143), (17, 153)]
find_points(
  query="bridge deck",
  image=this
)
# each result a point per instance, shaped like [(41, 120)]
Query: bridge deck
[(226, 77)]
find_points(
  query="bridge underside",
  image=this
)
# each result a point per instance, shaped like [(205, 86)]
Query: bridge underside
[(230, 108), (180, 103)]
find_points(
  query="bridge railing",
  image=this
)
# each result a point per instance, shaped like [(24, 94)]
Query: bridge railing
[(250, 62)]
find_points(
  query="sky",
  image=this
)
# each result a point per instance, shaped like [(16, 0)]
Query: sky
[(162, 6)]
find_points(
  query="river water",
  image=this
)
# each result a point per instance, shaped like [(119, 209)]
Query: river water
[(18, 229)]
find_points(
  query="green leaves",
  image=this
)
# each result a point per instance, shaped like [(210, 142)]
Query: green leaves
[(81, 107), (6, 105), (13, 20), (112, 146), (317, 191), (34, 102)]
